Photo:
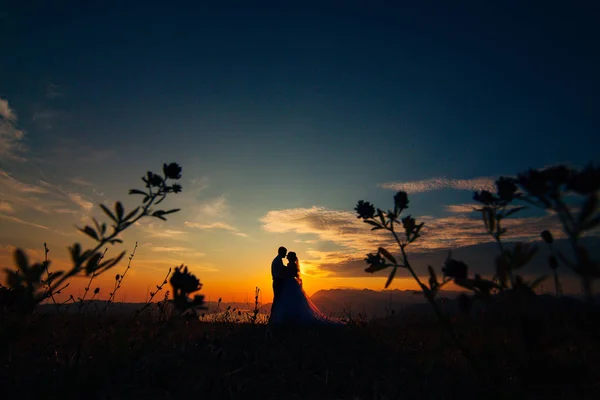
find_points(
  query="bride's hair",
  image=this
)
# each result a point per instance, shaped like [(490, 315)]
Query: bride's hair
[(294, 260)]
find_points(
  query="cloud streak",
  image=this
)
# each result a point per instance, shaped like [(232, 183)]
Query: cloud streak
[(213, 214), (6, 207), (54, 91), (19, 198), (175, 249), (11, 137), (215, 225), (80, 182), (427, 185), (32, 224), (79, 200)]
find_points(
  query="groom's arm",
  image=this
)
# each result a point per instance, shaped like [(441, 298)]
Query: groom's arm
[(276, 268), (280, 268)]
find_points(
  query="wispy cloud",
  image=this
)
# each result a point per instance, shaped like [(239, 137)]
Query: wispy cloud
[(72, 149), (340, 227), (174, 249), (81, 202), (7, 251), (166, 233), (461, 208), (6, 112), (6, 207), (80, 182), (154, 230), (47, 117), (11, 137), (305, 241), (40, 196), (215, 225), (163, 264), (32, 224), (467, 208), (215, 207), (13, 184), (213, 214), (54, 91), (481, 183)]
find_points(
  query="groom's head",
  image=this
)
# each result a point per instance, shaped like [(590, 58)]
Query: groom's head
[(282, 251)]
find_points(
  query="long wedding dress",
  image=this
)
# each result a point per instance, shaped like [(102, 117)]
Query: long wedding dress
[(295, 306)]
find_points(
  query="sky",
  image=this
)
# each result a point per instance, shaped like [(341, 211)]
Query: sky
[(283, 116)]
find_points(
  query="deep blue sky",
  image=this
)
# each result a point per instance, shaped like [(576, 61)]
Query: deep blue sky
[(284, 106)]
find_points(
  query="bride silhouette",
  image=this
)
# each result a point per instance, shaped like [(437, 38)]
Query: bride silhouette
[(293, 305)]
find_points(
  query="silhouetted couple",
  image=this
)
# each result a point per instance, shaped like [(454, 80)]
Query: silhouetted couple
[(290, 302)]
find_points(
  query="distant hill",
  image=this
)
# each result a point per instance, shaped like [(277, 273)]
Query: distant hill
[(369, 303)]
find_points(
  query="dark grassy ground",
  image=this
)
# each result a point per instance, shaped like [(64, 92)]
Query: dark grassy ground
[(70, 356)]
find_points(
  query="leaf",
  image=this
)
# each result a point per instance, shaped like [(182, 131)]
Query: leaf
[(98, 227), (55, 275), (432, 277), (110, 263), (522, 254), (387, 255), (589, 206), (592, 224), (380, 215), (109, 213), (374, 268), (21, 260), (564, 259), (391, 277), (136, 191), (538, 281), (418, 227), (414, 237), (376, 228), (13, 278), (370, 222), (92, 264), (36, 271), (513, 211), (464, 282), (171, 211), (131, 214), (75, 252), (119, 210), (88, 230)]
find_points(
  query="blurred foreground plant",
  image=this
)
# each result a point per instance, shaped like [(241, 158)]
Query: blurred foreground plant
[(547, 189), (185, 283), (26, 286)]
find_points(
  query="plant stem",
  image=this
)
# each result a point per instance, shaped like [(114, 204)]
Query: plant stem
[(49, 288), (118, 283), (117, 230)]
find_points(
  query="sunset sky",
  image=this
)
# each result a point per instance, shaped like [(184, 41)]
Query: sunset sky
[(282, 117)]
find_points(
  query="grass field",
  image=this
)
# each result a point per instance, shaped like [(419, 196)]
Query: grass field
[(106, 357)]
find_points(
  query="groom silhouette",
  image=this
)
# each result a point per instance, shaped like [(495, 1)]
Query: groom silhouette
[(278, 273)]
